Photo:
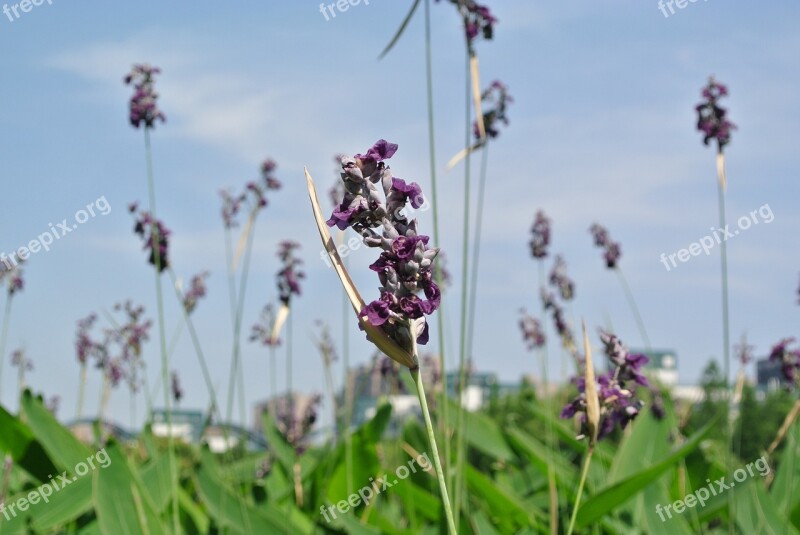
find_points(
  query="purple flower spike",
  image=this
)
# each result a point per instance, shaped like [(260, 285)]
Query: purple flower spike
[(478, 21), (532, 333), (560, 280), (712, 119), (290, 274), (789, 360), (612, 250), (405, 264), (497, 99), (197, 290), (154, 234), (540, 235), (143, 105)]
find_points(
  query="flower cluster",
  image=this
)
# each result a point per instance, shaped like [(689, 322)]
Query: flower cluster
[(712, 119), (325, 344), (788, 358), (744, 351), (13, 276), (404, 266), (85, 347), (153, 233), (295, 416), (612, 250), (498, 98), (616, 389), (19, 360), (540, 235), (144, 105), (262, 331), (197, 290), (129, 338), (289, 275), (562, 327), (256, 190), (532, 332), (268, 182), (478, 20), (560, 280), (231, 206)]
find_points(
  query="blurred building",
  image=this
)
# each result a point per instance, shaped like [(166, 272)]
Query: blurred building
[(84, 430), (185, 425), (769, 375)]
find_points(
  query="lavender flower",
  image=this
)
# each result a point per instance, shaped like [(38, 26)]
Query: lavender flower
[(231, 205), (712, 119), (540, 235), (197, 290), (497, 98), (85, 346), (177, 391), (121, 357), (289, 275), (744, 352), (295, 416), (152, 232), (13, 276), (262, 330), (559, 279), (788, 358), (532, 333), (562, 327), (478, 20), (404, 266), (143, 104), (387, 373), (612, 250), (325, 344), (19, 360), (616, 390), (268, 182)]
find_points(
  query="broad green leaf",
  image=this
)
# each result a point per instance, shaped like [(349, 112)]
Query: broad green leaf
[(620, 492), (539, 455), (506, 510), (155, 478), (277, 443), (62, 506), (193, 513), (484, 434), (61, 445), (754, 511), (785, 489), (18, 441), (122, 507)]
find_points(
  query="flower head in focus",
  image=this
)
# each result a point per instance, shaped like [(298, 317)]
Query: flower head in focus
[(404, 266), (497, 99), (712, 119), (612, 250), (540, 235), (144, 102)]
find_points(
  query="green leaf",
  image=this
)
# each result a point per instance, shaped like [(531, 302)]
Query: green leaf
[(539, 456), (277, 443), (484, 434), (620, 492), (18, 441), (155, 478), (61, 507), (400, 30), (755, 511), (121, 505), (508, 510)]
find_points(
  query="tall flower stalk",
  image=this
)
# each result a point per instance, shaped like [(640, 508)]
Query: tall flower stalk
[(144, 113), (396, 321), (12, 274)]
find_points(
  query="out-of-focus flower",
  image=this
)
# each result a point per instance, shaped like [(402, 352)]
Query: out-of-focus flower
[(85, 346), (712, 119), (744, 351), (432, 366), (789, 360), (153, 232), (177, 391), (562, 326), (197, 290), (53, 404), (120, 355), (540, 235), (13, 276), (231, 206), (267, 183), (325, 344), (386, 373), (336, 193), (143, 104), (19, 360), (295, 416), (616, 390), (441, 263), (532, 333), (497, 99), (290, 274), (478, 20), (612, 250), (559, 279), (262, 331), (404, 266)]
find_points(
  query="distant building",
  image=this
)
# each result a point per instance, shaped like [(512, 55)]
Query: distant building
[(84, 430), (481, 387), (769, 375), (185, 425)]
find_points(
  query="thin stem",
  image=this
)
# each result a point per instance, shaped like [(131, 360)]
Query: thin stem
[(634, 308), (582, 483), (170, 351), (290, 397), (348, 394), (273, 372), (435, 214), (161, 330), (3, 338), (548, 402), (415, 375), (476, 248), (460, 446), (81, 392)]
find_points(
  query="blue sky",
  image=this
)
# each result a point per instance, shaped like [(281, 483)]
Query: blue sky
[(602, 129)]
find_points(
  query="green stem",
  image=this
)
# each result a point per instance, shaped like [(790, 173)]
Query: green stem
[(3, 338), (436, 238), (635, 309), (348, 394), (460, 445), (161, 331), (81, 392), (548, 402), (423, 402), (582, 483)]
